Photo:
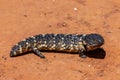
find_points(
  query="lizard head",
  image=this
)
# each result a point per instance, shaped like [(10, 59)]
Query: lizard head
[(93, 41)]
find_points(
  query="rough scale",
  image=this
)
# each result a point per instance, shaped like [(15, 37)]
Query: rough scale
[(78, 43)]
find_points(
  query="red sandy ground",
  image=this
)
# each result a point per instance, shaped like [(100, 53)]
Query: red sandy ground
[(23, 18)]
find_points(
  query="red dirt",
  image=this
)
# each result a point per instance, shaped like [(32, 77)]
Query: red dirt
[(23, 18)]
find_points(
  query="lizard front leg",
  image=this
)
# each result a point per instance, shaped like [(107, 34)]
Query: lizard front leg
[(82, 54), (37, 52)]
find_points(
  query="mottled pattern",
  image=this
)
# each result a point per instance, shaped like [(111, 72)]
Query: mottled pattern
[(78, 43)]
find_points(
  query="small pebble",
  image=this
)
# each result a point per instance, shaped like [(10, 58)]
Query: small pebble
[(75, 9), (89, 65), (25, 15)]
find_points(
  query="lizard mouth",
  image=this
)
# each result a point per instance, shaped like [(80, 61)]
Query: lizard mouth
[(89, 48)]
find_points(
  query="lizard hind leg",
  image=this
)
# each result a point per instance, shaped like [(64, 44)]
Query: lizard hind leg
[(37, 52)]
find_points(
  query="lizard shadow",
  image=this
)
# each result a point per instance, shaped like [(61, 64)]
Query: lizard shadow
[(98, 53)]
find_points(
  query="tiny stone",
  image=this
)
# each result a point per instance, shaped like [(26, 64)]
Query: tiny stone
[(89, 65), (49, 25), (54, 56), (75, 9), (25, 15)]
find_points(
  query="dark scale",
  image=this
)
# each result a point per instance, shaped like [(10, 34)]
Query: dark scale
[(79, 43)]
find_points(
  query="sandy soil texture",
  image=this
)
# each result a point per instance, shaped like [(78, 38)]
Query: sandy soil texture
[(20, 19)]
